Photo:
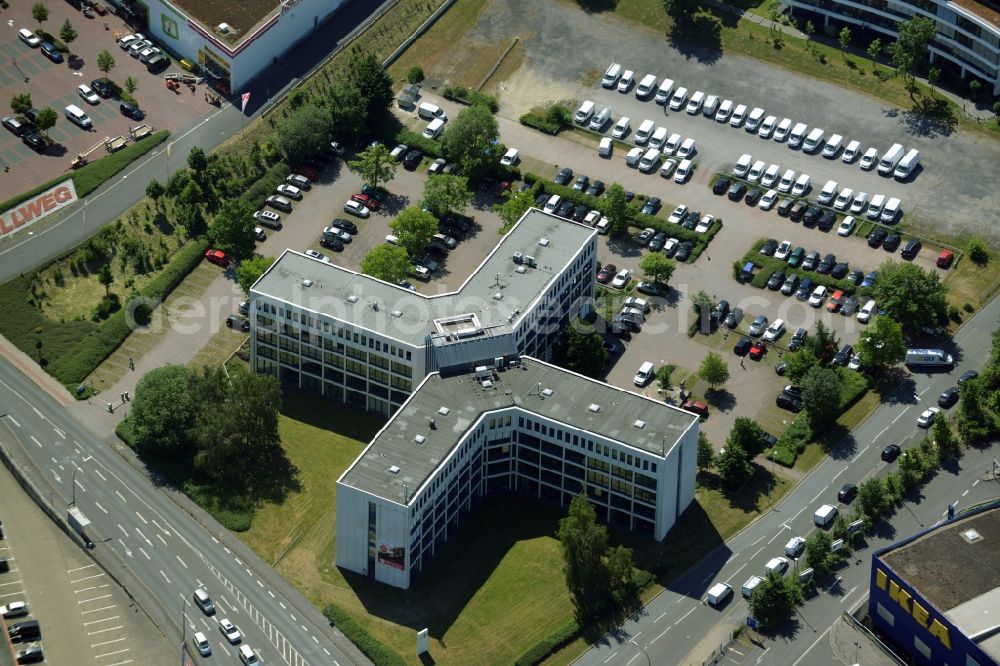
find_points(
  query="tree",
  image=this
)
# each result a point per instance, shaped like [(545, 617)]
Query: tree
[(819, 552), (658, 267), (131, 85), (20, 103), (583, 543), (472, 141), (105, 277), (663, 375), (582, 349), (372, 83), (375, 165), (249, 271), (46, 119), (882, 345), (702, 305), (621, 574), (447, 194), (944, 438), (232, 228), (823, 343), (304, 132), (414, 74), (189, 217), (414, 227), (713, 369), (911, 295), (347, 112), (874, 49), (40, 13), (191, 195), (933, 74), (197, 160), (821, 388), (976, 248), (799, 362), (614, 206), (68, 33), (773, 600), (748, 434), (105, 62), (513, 208), (706, 454), (387, 262), (164, 409), (974, 87), (910, 48), (154, 190), (845, 40), (681, 12), (734, 465), (873, 498), (975, 423)]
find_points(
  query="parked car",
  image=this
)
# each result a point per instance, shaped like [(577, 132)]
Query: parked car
[(789, 402), (798, 339), (217, 257), (847, 493), (891, 452), (606, 273), (621, 279), (51, 52), (948, 398), (926, 418), (758, 325), (564, 176), (649, 288), (742, 346), (733, 318), (354, 208)]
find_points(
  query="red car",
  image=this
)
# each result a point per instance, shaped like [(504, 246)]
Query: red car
[(306, 171), (502, 189), (366, 200), (696, 407), (758, 350), (217, 257), (836, 301), (605, 274), (945, 258)]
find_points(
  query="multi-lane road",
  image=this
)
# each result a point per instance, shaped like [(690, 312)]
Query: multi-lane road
[(157, 550), (674, 627)]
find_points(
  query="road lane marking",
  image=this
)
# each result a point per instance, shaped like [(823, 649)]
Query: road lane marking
[(162, 540), (809, 649), (683, 617), (900, 415), (144, 553), (98, 473), (865, 449), (660, 617), (272, 594), (757, 553), (148, 542), (736, 572), (924, 391), (160, 527), (121, 497), (40, 415), (757, 541), (975, 483), (849, 593), (773, 538), (35, 440), (12, 420), (98, 505), (59, 432), (636, 656), (660, 636), (181, 561), (165, 577), (58, 480), (124, 531), (819, 493), (761, 657), (613, 655), (966, 492), (838, 474), (141, 518), (77, 482), (87, 601)]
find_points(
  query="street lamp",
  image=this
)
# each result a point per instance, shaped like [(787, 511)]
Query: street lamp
[(21, 251), (72, 483), (643, 650)]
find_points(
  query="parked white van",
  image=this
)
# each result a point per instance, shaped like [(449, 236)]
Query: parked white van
[(672, 144), (611, 75), (725, 110), (866, 312), (825, 515), (650, 160), (429, 111), (875, 207), (796, 136), (832, 146), (665, 90), (907, 165), (694, 105), (646, 87), (687, 149), (813, 141), (77, 116), (679, 98), (658, 138), (625, 83), (782, 130), (710, 107), (633, 156), (643, 133), (434, 129), (851, 152), (802, 185), (754, 119), (827, 194), (890, 159), (683, 172), (756, 171), (600, 119), (743, 166), (645, 374), (621, 128), (718, 594), (584, 113), (891, 210), (739, 115), (787, 181), (605, 147), (766, 128)]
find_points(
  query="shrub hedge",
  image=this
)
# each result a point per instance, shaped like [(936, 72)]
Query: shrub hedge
[(430, 147), (265, 186), (378, 652), (549, 121), (767, 265), (471, 97), (549, 644)]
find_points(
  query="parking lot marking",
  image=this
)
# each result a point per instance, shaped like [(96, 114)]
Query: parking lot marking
[(144, 553), (165, 577), (89, 566), (88, 589), (87, 601), (101, 631), (108, 654), (103, 619), (98, 610), (98, 473), (121, 663), (145, 522), (162, 540), (181, 561), (11, 419)]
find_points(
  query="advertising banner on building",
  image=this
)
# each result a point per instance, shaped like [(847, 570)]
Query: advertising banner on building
[(393, 556), (37, 207)]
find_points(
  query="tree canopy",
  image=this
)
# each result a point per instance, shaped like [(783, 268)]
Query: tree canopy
[(163, 410), (105, 62), (513, 207), (250, 270), (447, 194), (714, 369), (821, 389), (387, 262), (733, 464), (232, 228), (472, 141), (615, 207), (658, 267), (414, 228), (304, 132), (909, 51), (911, 295), (375, 165), (372, 83), (582, 349), (882, 345), (773, 600), (748, 434)]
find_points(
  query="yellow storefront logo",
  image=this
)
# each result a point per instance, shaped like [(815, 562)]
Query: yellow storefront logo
[(918, 612)]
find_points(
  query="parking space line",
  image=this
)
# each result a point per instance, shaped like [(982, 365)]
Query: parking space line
[(98, 610), (87, 601), (108, 654), (80, 580), (117, 640), (103, 619), (101, 631)]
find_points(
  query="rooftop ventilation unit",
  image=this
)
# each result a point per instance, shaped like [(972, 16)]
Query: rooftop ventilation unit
[(397, 313), (224, 28), (971, 535), (544, 242), (487, 383), (419, 439), (530, 261), (394, 469), (353, 298), (547, 392), (498, 296), (306, 282), (520, 269), (594, 407), (375, 306), (518, 258), (443, 411), (639, 423)]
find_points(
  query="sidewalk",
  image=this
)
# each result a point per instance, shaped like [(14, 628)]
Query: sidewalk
[(852, 646)]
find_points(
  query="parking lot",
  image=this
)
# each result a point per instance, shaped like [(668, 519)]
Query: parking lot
[(27, 70)]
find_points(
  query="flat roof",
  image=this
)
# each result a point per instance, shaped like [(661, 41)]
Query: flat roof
[(242, 15), (498, 291), (395, 465), (956, 567), (988, 12)]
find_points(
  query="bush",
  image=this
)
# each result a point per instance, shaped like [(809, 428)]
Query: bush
[(430, 147), (783, 456), (978, 252), (471, 97), (541, 650), (414, 75), (265, 186), (954, 314), (379, 653), (968, 307), (550, 120)]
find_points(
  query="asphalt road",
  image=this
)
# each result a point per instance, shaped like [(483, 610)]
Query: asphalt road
[(160, 553), (674, 627)]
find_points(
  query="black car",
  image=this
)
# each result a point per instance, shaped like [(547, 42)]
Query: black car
[(733, 319), (722, 308), (891, 243), (652, 206), (30, 655), (948, 398), (565, 209), (437, 249), (34, 141), (645, 236), (781, 368), (650, 289), (742, 347), (850, 306), (776, 280), (737, 191), (769, 246), (564, 176), (103, 88), (14, 126), (911, 249), (658, 240), (721, 185), (843, 357), (620, 331), (805, 288), (334, 244), (579, 213), (785, 207), (966, 376), (596, 188), (412, 159), (581, 183), (826, 220), (541, 200), (812, 215), (684, 251), (629, 322), (753, 196), (345, 225), (839, 271), (31, 115), (791, 403), (797, 211), (613, 347), (826, 264), (798, 338), (855, 277), (132, 111), (790, 285), (51, 52), (691, 220), (847, 493), (157, 63), (891, 452), (876, 237)]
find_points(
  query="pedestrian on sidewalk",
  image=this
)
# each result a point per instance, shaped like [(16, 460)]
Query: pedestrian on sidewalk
[(741, 363), (131, 364)]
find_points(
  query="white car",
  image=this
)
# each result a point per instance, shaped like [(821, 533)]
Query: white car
[(230, 631), (620, 280), (637, 303), (705, 224), (392, 240), (128, 40), (259, 234), (510, 158), (860, 203), (854, 363), (768, 200), (268, 215), (678, 215), (621, 128), (775, 330), (778, 565), (851, 152), (683, 171), (399, 152), (354, 208), (14, 609), (818, 296), (725, 110), (592, 218), (668, 167), (200, 641), (625, 83), (289, 191), (28, 37), (795, 546), (770, 176), (670, 246), (783, 250), (315, 255), (926, 419), (87, 93), (844, 199), (846, 226), (739, 115), (869, 159)]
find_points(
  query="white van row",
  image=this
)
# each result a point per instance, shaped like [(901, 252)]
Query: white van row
[(649, 160), (437, 117)]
